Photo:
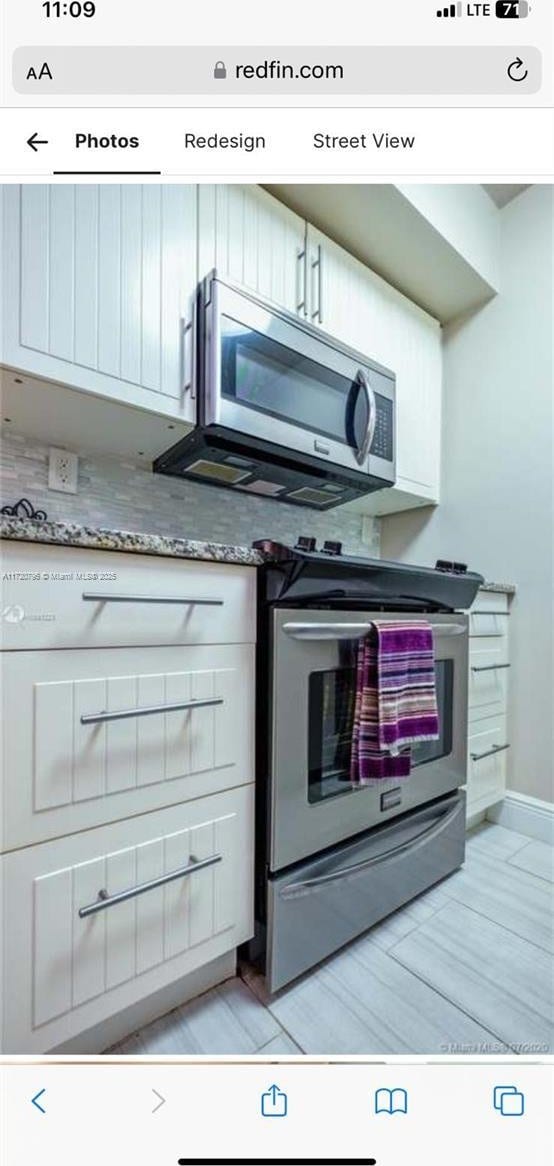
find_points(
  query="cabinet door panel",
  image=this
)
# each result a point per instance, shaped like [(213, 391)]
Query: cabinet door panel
[(103, 280), (252, 240), (356, 306)]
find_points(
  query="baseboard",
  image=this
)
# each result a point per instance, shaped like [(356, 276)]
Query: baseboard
[(526, 815), (103, 1036)]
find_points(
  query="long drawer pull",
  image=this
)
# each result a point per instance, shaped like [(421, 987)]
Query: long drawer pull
[(148, 711), (488, 667), (489, 752), (490, 612), (101, 597), (105, 900), (356, 868)]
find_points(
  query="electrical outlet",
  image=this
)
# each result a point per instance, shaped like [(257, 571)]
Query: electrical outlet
[(63, 468)]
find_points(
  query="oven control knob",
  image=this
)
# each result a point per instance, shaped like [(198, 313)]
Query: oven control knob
[(332, 548)]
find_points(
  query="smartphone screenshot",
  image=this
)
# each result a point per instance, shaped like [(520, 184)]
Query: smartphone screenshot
[(276, 562)]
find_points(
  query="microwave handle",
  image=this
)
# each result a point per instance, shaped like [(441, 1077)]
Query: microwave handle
[(366, 388), (354, 631)]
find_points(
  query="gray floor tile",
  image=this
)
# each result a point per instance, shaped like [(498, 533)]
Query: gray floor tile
[(502, 980), (516, 900), (537, 858), (280, 1045), (495, 840), (361, 1001), (229, 1019)]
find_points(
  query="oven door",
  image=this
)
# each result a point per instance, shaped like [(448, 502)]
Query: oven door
[(266, 374), (313, 805)]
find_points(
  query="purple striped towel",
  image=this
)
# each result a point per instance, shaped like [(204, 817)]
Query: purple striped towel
[(396, 700)]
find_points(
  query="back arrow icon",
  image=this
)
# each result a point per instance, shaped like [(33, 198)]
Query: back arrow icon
[(35, 142), (161, 1101), (35, 1100)]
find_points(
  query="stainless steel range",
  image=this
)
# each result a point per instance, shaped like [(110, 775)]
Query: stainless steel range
[(332, 858)]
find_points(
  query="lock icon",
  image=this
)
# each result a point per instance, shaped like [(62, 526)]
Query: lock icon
[(220, 72)]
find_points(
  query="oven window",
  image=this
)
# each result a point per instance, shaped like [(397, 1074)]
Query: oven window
[(331, 698), (261, 374)]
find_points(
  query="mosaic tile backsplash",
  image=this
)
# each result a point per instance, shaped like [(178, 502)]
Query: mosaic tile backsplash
[(121, 495)]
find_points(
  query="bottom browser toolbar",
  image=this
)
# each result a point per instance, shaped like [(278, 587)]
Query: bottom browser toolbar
[(172, 1112)]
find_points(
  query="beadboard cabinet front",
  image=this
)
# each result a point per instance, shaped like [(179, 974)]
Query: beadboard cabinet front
[(174, 892), (98, 284), (96, 735), (353, 303), (253, 240)]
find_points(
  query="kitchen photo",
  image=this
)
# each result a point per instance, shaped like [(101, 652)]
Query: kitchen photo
[(277, 603)]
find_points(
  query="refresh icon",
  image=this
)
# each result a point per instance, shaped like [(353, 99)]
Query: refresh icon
[(517, 71)]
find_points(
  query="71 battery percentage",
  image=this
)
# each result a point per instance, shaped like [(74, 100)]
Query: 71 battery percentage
[(512, 9)]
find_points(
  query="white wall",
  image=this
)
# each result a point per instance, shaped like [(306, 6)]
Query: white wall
[(496, 512)]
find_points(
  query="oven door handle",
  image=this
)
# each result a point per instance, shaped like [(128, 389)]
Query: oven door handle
[(357, 867), (355, 631)]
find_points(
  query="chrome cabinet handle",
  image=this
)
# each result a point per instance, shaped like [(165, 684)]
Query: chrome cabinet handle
[(357, 867), (488, 667), (489, 752), (355, 631), (101, 597), (105, 900), (187, 356), (365, 447), (147, 711), (490, 613), (301, 278), (317, 265)]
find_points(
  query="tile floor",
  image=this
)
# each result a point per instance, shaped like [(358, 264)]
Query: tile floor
[(465, 968)]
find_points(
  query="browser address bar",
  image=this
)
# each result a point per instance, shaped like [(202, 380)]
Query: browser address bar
[(225, 70)]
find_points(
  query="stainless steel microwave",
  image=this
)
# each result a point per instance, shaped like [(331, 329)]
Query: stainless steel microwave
[(285, 411)]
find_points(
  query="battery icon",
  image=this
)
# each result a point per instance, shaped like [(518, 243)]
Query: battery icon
[(512, 9)]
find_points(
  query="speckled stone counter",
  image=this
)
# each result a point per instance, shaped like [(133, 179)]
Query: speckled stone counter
[(97, 538), (502, 588)]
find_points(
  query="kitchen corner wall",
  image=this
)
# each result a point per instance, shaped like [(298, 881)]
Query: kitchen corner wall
[(496, 491), (119, 494)]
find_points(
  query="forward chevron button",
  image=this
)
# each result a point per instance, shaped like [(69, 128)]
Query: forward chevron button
[(161, 1101)]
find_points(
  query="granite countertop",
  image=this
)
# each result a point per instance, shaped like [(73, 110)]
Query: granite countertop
[(71, 534)]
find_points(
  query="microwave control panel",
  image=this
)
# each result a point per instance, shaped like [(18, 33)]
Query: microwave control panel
[(383, 438)]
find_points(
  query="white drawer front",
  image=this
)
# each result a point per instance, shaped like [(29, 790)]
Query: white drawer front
[(488, 623), (487, 601), (142, 599), (65, 772), (488, 676), (487, 763), (64, 972)]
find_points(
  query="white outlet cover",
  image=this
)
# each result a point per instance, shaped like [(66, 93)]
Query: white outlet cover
[(63, 470)]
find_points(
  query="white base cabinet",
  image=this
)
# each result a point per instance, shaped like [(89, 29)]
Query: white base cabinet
[(489, 664), (65, 973), (127, 833)]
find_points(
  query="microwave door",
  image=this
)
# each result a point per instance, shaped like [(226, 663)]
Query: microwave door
[(269, 377)]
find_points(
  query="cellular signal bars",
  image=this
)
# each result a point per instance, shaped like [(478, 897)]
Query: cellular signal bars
[(450, 10)]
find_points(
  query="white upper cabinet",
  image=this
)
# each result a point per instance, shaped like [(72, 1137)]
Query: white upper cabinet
[(354, 304), (99, 283), (253, 240)]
